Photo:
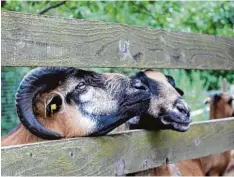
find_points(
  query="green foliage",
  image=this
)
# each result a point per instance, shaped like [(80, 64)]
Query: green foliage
[(207, 17), (10, 77)]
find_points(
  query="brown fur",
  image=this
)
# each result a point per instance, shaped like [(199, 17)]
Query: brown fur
[(216, 164), (156, 75), (63, 123), (221, 109), (184, 168), (13, 137)]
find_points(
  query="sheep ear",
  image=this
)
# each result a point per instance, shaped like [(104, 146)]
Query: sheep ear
[(207, 101), (53, 104), (181, 92), (171, 80)]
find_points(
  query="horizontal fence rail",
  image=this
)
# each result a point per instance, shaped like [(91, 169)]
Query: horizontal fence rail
[(118, 154), (33, 40)]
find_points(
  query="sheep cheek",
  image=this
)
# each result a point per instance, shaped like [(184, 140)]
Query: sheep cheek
[(105, 103), (157, 104), (101, 103), (86, 125), (79, 125), (154, 108), (86, 96)]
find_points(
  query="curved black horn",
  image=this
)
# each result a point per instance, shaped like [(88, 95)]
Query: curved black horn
[(37, 81)]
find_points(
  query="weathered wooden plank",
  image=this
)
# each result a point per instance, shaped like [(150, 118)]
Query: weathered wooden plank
[(118, 153), (32, 40)]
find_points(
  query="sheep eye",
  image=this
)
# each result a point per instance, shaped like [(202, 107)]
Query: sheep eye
[(81, 86)]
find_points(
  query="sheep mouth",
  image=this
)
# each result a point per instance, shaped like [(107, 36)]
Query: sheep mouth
[(176, 123)]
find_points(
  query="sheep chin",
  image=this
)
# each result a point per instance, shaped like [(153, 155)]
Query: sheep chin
[(180, 127), (165, 122)]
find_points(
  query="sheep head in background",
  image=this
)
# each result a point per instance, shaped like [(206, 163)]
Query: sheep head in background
[(216, 164), (167, 110), (220, 105), (57, 102)]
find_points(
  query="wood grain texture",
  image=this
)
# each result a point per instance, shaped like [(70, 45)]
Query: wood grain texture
[(32, 40), (118, 154)]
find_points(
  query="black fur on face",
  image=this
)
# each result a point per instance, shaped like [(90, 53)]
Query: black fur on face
[(151, 84), (167, 109)]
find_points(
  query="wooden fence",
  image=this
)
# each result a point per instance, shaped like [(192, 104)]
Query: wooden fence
[(32, 40)]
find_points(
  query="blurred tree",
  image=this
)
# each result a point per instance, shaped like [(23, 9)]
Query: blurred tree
[(10, 79)]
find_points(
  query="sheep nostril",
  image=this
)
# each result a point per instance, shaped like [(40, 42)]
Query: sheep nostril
[(183, 108)]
